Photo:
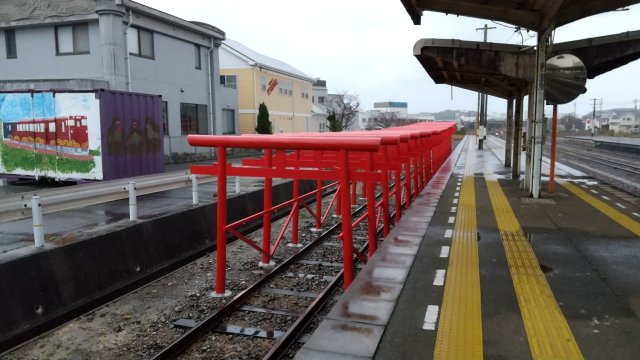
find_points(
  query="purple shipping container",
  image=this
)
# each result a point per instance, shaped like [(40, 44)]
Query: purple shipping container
[(81, 135)]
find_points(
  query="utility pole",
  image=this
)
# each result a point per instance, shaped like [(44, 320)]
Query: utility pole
[(483, 99), (593, 119)]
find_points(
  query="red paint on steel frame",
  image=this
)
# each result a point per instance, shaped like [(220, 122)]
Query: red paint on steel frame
[(414, 152)]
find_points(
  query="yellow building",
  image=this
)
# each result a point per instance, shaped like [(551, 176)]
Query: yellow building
[(284, 89)]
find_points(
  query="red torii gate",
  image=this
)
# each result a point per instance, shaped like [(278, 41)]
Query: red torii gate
[(343, 146), (368, 157)]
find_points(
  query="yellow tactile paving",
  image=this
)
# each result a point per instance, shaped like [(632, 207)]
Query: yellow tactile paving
[(547, 330), (611, 212), (460, 328)]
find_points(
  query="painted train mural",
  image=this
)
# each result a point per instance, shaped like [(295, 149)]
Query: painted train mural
[(67, 135), (90, 135)]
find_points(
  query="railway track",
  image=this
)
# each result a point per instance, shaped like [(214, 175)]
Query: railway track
[(266, 327), (265, 319), (619, 169), (614, 159)]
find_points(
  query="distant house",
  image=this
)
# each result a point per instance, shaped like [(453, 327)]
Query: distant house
[(620, 121), (284, 89), (118, 45), (319, 110)]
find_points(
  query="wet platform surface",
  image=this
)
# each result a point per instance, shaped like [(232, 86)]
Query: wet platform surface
[(557, 275)]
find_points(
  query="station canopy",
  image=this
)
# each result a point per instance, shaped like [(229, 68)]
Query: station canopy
[(536, 15), (502, 70)]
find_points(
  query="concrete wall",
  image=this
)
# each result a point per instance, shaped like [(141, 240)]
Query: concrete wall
[(37, 58), (76, 277)]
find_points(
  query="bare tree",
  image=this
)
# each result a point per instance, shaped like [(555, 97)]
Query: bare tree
[(345, 106), (385, 120)]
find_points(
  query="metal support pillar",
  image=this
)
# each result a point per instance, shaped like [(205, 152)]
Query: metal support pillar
[(507, 144), (552, 163), (482, 121), (528, 138), (517, 136), (539, 114)]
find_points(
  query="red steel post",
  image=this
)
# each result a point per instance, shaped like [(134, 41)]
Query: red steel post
[(266, 218), (385, 193), (398, 192), (296, 207), (371, 209), (354, 194), (339, 199), (318, 205), (221, 233), (347, 231)]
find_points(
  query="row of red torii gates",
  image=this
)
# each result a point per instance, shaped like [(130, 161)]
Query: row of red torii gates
[(405, 157)]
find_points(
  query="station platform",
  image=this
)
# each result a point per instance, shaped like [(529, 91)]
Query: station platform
[(477, 269)]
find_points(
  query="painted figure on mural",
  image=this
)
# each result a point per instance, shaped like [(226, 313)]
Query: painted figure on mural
[(152, 136), (135, 140), (115, 137)]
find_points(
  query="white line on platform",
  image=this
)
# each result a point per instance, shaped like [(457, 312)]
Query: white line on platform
[(635, 214), (448, 233), (621, 206), (457, 188), (430, 317), (444, 252), (455, 201), (456, 194), (593, 191), (454, 209), (606, 197), (438, 280), (452, 219)]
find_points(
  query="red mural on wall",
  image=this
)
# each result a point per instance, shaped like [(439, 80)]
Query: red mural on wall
[(272, 85)]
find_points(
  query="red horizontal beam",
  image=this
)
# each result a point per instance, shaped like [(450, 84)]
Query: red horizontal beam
[(354, 143)]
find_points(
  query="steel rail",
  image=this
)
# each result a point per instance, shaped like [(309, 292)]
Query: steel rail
[(610, 163), (174, 349), (18, 206)]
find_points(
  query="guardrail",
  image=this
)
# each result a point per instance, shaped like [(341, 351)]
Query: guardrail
[(36, 203), (18, 206)]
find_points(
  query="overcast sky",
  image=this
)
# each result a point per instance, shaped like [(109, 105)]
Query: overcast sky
[(366, 47)]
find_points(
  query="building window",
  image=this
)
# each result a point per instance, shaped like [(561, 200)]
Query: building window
[(72, 39), (10, 43), (228, 121), (228, 81), (263, 81), (304, 93), (285, 89), (320, 99), (165, 118), (198, 57), (140, 42), (193, 119)]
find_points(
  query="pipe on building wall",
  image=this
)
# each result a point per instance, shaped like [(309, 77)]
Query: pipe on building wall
[(255, 91), (209, 87), (127, 56)]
